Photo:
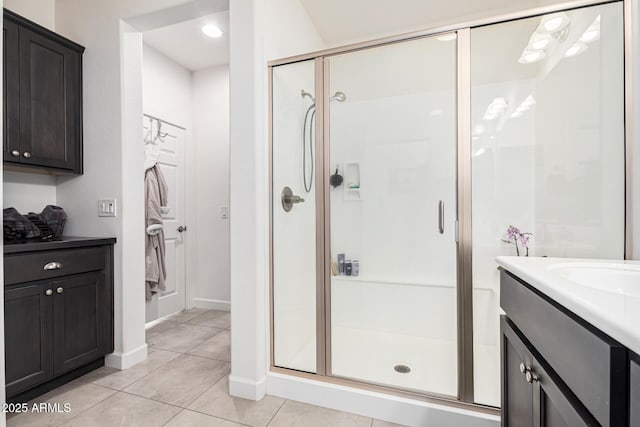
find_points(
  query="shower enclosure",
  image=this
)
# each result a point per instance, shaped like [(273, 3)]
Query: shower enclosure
[(396, 170)]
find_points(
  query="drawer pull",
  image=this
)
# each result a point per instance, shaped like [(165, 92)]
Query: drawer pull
[(53, 266), (48, 292), (60, 290)]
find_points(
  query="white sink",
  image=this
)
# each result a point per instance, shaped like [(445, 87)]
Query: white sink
[(620, 279)]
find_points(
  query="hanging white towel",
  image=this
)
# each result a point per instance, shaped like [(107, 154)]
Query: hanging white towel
[(156, 192)]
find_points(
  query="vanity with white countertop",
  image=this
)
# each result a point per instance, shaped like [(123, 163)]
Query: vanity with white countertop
[(570, 341)]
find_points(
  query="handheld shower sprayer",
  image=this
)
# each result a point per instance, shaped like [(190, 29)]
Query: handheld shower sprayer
[(338, 96)]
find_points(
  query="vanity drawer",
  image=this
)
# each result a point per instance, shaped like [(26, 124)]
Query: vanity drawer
[(590, 363), (26, 267)]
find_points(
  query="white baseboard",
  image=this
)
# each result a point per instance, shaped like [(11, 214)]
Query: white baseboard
[(246, 388), (380, 406), (212, 304), (126, 360), (159, 320)]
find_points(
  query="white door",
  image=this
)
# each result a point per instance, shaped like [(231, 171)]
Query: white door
[(171, 161)]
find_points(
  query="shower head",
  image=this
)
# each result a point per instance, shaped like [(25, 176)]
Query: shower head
[(338, 96)]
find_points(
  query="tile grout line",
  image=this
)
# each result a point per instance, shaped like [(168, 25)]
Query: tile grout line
[(92, 406), (169, 420), (219, 418), (209, 388), (277, 412)]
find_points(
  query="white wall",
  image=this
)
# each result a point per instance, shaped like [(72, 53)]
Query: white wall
[(166, 88), (251, 22), (28, 192), (210, 89), (39, 11)]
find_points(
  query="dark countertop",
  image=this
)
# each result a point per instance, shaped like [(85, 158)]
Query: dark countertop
[(65, 242)]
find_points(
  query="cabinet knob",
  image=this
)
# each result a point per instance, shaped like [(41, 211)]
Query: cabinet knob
[(60, 289), (15, 153), (523, 369), (48, 292), (531, 377), (26, 155), (182, 228)]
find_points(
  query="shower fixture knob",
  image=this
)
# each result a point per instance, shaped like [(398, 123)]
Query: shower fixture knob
[(289, 199)]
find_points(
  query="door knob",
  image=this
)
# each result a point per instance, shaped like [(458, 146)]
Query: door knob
[(60, 290), (15, 153), (26, 155), (182, 228)]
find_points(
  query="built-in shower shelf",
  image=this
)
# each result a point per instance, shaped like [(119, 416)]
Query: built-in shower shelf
[(352, 188)]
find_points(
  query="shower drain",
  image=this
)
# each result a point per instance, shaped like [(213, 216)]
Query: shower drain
[(403, 369)]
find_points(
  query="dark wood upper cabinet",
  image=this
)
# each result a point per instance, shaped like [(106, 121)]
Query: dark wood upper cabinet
[(42, 98)]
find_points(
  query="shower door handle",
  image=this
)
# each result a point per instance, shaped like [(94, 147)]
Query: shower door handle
[(441, 217)]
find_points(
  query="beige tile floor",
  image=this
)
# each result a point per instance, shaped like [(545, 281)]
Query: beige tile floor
[(183, 382)]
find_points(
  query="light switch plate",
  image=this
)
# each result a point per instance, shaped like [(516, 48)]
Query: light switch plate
[(107, 207)]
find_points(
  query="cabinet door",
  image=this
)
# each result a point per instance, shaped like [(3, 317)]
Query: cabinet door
[(517, 393), (79, 329), (11, 92), (28, 331), (50, 93), (554, 404), (634, 390)]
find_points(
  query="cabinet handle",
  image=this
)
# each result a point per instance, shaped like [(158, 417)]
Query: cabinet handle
[(441, 217), (48, 292), (53, 266), (60, 290), (15, 153), (26, 155)]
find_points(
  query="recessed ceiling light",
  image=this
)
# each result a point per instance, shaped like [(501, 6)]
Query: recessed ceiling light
[(529, 56), (555, 22), (576, 49), (212, 30)]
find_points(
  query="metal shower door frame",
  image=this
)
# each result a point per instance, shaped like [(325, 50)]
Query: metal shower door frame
[(465, 374)]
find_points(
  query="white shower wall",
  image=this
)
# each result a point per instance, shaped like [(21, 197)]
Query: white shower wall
[(557, 171)]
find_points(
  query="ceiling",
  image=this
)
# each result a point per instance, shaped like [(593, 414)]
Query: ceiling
[(187, 45), (340, 21)]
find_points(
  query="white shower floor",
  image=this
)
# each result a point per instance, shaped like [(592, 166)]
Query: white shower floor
[(370, 356)]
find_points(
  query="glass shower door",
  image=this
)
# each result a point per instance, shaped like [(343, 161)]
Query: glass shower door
[(294, 217), (392, 215)]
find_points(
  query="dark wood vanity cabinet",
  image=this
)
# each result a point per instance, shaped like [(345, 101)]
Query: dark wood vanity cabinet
[(634, 390), (532, 394), (558, 370), (58, 313), (42, 98)]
